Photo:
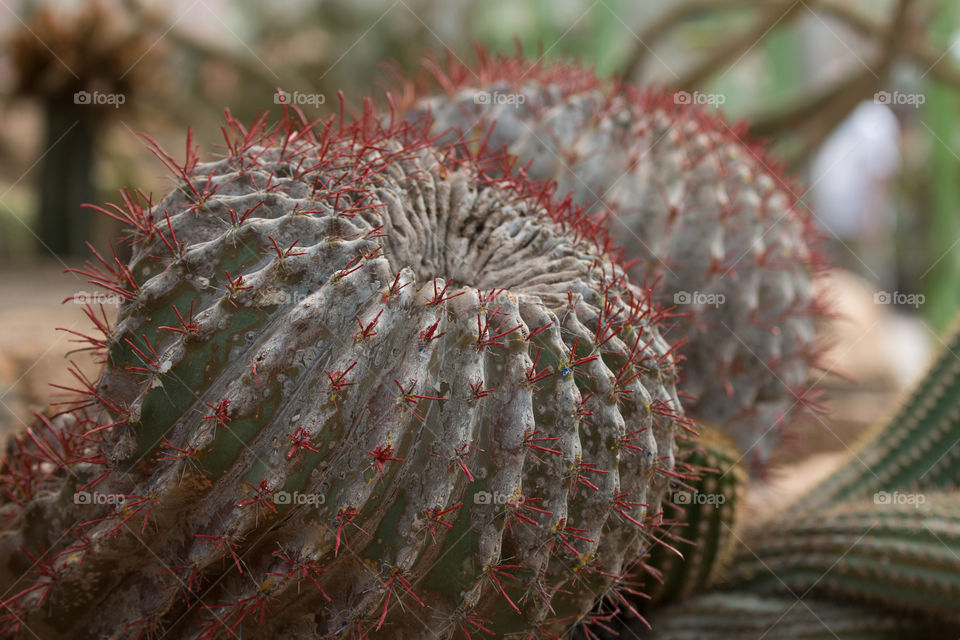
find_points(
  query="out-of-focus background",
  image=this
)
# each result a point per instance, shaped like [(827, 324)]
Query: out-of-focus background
[(860, 98)]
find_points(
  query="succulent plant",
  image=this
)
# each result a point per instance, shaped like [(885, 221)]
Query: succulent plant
[(357, 383), (872, 552), (705, 516), (369, 382), (693, 205)]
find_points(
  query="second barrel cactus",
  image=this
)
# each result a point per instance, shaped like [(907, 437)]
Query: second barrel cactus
[(698, 210)]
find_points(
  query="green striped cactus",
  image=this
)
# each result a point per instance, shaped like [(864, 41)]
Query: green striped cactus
[(915, 449), (697, 548), (899, 551), (876, 546), (356, 385), (738, 616)]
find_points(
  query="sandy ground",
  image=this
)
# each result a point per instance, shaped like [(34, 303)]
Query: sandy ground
[(33, 353)]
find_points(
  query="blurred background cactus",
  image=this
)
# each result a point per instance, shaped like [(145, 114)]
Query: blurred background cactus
[(81, 66)]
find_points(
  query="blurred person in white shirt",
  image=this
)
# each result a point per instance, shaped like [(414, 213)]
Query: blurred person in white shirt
[(850, 185)]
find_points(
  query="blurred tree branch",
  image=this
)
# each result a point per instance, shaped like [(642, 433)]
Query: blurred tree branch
[(157, 22), (251, 68), (771, 16), (863, 84), (902, 35), (914, 45), (666, 21)]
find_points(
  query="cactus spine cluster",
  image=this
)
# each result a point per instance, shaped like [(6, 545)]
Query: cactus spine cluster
[(357, 385), (696, 208)]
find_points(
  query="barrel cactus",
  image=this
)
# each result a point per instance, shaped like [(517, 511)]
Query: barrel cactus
[(710, 217), (358, 383)]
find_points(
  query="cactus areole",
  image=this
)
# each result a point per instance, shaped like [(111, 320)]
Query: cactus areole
[(356, 386)]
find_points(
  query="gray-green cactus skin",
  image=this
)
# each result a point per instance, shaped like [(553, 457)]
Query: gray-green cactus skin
[(708, 216), (356, 386)]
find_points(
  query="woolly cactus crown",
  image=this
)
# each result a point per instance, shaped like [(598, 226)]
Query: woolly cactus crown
[(450, 365)]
